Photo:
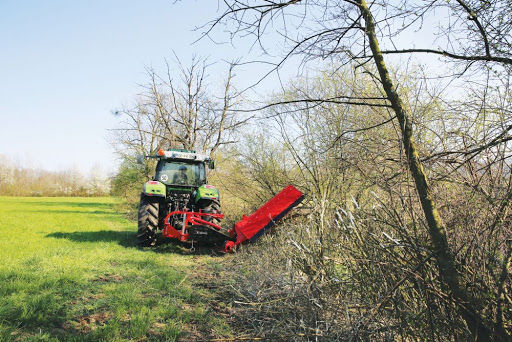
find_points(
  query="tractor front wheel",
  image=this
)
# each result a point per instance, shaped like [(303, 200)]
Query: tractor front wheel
[(147, 221)]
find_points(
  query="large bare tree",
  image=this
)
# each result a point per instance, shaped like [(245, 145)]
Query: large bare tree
[(180, 109)]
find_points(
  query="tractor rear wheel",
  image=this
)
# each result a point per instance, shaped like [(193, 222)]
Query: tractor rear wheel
[(147, 221), (212, 207)]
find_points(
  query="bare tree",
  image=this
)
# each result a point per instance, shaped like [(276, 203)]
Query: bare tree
[(182, 113)]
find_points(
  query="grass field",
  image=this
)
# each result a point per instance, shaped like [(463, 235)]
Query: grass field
[(69, 270)]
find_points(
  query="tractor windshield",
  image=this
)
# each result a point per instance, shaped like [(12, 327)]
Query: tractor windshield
[(172, 172)]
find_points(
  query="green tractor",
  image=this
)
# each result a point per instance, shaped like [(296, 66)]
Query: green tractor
[(179, 201)]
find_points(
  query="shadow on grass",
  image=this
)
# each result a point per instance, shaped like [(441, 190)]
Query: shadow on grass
[(128, 239), (74, 212), (125, 239), (97, 205)]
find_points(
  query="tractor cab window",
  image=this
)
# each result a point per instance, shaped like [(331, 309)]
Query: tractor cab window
[(180, 173)]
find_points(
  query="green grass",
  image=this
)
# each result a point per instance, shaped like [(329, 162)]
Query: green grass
[(70, 271)]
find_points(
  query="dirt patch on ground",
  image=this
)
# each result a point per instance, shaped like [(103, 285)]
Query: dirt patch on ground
[(116, 278), (87, 323)]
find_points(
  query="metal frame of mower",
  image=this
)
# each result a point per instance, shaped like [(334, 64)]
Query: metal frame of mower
[(189, 217)]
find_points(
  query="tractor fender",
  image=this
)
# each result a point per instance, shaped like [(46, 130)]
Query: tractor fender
[(154, 188), (207, 192)]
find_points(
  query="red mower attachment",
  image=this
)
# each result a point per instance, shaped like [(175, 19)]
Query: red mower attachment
[(251, 227), (191, 225)]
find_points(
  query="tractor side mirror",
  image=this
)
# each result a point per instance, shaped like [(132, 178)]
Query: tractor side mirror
[(211, 164), (140, 159)]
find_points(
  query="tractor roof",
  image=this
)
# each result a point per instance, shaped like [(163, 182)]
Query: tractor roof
[(183, 155)]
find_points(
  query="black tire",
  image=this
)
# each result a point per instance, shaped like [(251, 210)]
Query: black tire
[(212, 206), (147, 221)]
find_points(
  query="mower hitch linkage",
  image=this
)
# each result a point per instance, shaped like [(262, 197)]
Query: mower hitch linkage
[(189, 217)]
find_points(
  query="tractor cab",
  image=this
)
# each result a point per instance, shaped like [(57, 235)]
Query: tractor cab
[(180, 172), (182, 168)]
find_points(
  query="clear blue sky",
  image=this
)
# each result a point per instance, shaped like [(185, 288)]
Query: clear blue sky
[(64, 65)]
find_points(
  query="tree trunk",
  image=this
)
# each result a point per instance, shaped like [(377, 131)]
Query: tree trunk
[(445, 259)]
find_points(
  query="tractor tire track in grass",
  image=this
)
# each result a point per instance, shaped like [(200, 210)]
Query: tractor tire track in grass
[(70, 270)]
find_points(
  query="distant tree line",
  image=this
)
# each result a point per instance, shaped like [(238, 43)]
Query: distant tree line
[(16, 180)]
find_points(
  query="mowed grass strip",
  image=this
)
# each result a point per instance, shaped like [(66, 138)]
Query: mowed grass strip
[(70, 270)]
